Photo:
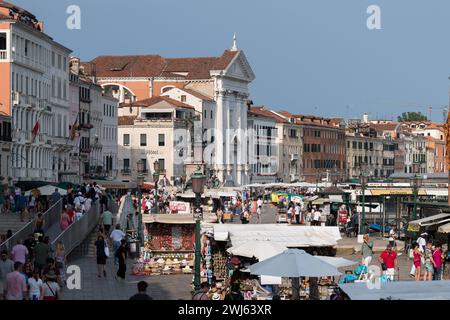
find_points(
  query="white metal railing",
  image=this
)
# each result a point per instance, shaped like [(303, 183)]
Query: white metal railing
[(3, 54), (51, 216)]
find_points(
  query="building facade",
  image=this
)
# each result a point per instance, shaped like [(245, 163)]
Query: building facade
[(263, 150), (224, 79), (34, 92), (109, 136), (156, 129), (324, 150), (5, 148)]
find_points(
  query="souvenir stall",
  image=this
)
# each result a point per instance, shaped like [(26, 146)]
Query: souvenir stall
[(168, 246)]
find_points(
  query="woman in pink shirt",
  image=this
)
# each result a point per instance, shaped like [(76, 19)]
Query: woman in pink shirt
[(417, 260), (65, 220)]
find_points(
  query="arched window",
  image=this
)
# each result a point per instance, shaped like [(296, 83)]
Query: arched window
[(166, 88)]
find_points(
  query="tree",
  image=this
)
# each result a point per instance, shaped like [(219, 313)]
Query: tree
[(412, 116)]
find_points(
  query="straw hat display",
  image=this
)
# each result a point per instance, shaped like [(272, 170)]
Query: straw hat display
[(187, 269)]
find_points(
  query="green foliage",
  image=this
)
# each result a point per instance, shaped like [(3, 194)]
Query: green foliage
[(411, 116)]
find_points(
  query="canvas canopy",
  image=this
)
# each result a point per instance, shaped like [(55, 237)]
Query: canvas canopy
[(338, 262), (399, 290), (48, 190), (429, 221), (261, 250), (289, 236)]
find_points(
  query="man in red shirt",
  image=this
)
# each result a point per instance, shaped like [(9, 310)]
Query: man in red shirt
[(388, 260), (437, 258)]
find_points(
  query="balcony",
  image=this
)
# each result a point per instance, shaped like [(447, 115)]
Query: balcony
[(86, 126), (6, 138), (85, 149), (125, 171), (3, 54)]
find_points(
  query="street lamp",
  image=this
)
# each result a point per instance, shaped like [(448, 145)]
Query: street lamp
[(364, 177), (155, 180), (140, 184), (416, 183), (198, 185)]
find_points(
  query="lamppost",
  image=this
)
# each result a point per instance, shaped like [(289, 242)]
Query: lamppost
[(155, 180), (140, 184), (416, 183), (364, 177), (198, 185)]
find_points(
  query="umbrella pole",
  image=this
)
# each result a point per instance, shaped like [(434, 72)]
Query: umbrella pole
[(314, 288), (295, 288)]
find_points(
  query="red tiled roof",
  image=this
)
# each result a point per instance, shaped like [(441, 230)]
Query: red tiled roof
[(262, 111), (154, 100), (126, 120), (385, 126), (157, 66)]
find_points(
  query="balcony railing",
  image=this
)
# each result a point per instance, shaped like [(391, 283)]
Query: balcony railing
[(125, 171), (86, 126), (3, 54)]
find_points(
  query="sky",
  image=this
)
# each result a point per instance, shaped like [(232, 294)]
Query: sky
[(309, 56)]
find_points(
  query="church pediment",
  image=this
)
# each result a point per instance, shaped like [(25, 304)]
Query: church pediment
[(240, 68)]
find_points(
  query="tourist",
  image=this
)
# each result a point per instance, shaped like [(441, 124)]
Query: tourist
[(60, 261), (392, 237), (78, 212), (290, 214), (35, 287), (19, 253), (117, 236), (258, 214), (417, 262), (142, 292), (367, 251), (9, 234), (102, 254), (41, 252), (438, 258), (219, 214), (56, 196), (107, 221), (202, 294), (429, 263), (87, 204), (27, 271), (32, 206), (121, 256), (235, 293), (21, 206), (297, 210), (388, 260), (15, 286), (6, 267), (39, 224), (422, 242), (50, 287), (316, 218), (30, 243), (70, 213), (64, 221)]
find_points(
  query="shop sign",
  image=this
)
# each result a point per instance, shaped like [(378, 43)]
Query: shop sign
[(179, 207)]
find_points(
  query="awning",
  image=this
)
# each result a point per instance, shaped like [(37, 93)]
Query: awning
[(393, 192), (320, 201), (444, 228), (414, 226), (399, 290), (175, 218), (289, 236), (335, 198), (221, 236)]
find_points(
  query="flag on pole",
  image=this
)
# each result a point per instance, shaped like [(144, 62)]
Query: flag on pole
[(74, 128), (35, 130)]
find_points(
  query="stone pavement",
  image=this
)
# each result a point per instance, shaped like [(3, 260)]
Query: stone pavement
[(173, 287)]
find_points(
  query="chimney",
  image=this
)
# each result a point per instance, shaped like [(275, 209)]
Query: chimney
[(365, 118), (41, 26)]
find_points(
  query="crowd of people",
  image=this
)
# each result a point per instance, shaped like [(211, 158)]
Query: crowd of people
[(32, 270)]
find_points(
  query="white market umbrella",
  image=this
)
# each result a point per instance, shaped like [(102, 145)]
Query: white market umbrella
[(294, 263), (338, 262), (48, 190), (261, 250)]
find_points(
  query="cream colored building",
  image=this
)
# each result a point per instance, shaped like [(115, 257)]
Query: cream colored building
[(155, 129)]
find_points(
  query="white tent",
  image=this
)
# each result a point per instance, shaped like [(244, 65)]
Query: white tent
[(261, 250), (288, 236), (48, 190)]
